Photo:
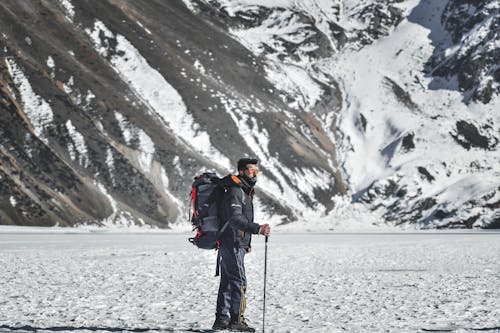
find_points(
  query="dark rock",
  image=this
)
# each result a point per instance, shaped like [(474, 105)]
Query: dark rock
[(402, 95), (407, 143), (423, 171), (467, 135)]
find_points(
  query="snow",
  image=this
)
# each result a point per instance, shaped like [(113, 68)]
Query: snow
[(147, 148), (77, 148), (144, 28), (152, 88), (257, 137), (110, 162), (37, 110), (50, 62), (13, 201), (165, 182), (124, 127), (369, 77), (372, 155), (199, 67), (189, 5), (68, 86), (118, 218), (177, 166), (296, 81), (290, 75), (69, 9), (145, 145), (409, 282), (88, 100)]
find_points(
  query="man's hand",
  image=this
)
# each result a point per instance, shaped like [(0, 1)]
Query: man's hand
[(265, 230)]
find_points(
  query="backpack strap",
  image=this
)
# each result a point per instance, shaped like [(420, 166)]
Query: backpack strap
[(242, 196), (217, 266), (219, 233)]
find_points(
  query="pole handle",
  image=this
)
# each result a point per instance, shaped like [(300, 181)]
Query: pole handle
[(265, 276)]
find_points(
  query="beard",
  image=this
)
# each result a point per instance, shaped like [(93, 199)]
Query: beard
[(250, 181)]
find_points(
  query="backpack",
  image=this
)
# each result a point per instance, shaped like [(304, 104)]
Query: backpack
[(206, 198)]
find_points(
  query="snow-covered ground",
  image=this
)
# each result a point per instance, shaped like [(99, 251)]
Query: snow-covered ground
[(370, 282)]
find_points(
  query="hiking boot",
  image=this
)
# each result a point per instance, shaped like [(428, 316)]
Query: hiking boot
[(220, 324), (240, 326)]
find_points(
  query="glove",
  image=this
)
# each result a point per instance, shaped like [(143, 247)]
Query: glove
[(265, 230)]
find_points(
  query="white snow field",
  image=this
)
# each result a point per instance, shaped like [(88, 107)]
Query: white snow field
[(369, 282)]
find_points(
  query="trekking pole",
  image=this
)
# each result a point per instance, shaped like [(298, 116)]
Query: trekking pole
[(265, 276)]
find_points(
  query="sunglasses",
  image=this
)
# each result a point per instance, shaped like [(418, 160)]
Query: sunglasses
[(254, 170)]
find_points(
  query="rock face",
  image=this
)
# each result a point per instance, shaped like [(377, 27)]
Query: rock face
[(110, 108), (471, 56)]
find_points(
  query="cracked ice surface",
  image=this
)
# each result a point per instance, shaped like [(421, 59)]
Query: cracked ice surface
[(316, 283)]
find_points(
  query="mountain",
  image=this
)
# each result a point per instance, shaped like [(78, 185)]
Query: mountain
[(389, 108)]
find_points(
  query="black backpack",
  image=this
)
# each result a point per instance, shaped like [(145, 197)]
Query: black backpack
[(207, 194)]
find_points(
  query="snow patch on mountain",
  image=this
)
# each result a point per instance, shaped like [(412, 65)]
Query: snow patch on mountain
[(133, 135), (165, 182), (110, 162), (295, 81), (177, 166), (69, 9), (37, 110), (147, 149), (68, 86), (77, 148), (51, 63), (118, 218), (143, 27), (152, 88)]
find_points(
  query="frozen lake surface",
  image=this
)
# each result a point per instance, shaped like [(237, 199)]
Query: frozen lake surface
[(402, 282)]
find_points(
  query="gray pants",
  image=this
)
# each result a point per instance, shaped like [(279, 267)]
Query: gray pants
[(231, 300)]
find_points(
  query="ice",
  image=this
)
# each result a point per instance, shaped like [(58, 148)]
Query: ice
[(371, 282)]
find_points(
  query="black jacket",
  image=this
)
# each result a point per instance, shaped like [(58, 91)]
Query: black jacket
[(237, 208)]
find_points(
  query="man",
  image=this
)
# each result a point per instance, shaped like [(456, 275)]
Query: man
[(237, 208)]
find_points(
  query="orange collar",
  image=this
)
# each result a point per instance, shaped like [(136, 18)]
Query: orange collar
[(236, 179)]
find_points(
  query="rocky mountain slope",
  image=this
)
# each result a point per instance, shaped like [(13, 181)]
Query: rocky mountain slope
[(109, 108)]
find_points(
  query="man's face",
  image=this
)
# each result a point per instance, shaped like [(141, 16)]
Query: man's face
[(251, 172)]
